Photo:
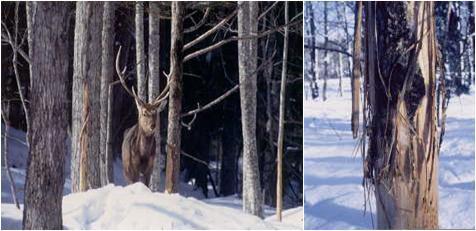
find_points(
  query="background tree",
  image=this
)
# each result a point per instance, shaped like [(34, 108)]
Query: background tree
[(248, 25), (49, 70)]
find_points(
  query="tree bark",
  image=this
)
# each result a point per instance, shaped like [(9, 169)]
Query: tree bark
[(247, 63), (175, 99), (86, 74), (326, 57), (402, 159), (154, 85), (282, 111), (49, 69), (107, 75), (356, 71), (140, 52), (313, 60)]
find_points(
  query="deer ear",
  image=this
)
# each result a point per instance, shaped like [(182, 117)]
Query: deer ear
[(162, 105)]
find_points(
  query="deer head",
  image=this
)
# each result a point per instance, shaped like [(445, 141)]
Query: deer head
[(146, 111)]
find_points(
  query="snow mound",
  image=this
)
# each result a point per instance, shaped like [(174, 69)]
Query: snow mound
[(136, 207)]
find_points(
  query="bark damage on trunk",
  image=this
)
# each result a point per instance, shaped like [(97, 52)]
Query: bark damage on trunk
[(402, 160)]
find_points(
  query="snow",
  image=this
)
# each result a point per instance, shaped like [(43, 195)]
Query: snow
[(134, 206), (334, 196)]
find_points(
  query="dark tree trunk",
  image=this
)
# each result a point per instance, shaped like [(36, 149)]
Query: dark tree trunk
[(48, 48), (175, 99)]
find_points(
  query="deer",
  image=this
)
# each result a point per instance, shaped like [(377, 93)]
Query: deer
[(138, 144)]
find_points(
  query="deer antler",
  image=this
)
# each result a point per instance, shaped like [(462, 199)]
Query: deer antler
[(123, 82), (163, 95)]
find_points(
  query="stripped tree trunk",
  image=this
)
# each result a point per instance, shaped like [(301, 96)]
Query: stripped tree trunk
[(48, 51), (247, 63), (154, 85), (402, 160), (140, 52), (107, 74), (356, 71), (175, 99), (86, 74), (282, 100)]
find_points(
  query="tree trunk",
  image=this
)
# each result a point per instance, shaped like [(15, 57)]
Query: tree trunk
[(140, 52), (87, 72), (356, 71), (107, 75), (341, 73), (326, 57), (154, 85), (402, 159), (312, 54), (48, 50), (175, 99), (247, 63), (282, 111)]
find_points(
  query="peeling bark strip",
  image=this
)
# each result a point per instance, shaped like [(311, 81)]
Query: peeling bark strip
[(402, 159), (356, 71), (48, 50), (175, 99), (247, 62), (87, 70)]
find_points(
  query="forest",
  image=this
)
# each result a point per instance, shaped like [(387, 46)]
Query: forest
[(389, 115), (152, 115)]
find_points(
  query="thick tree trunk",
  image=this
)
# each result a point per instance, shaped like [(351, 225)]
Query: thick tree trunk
[(154, 85), (356, 71), (140, 52), (107, 75), (402, 158), (247, 63), (87, 74), (48, 50), (282, 111), (175, 99)]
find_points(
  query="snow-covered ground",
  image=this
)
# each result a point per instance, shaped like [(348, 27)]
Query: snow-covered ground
[(135, 206), (333, 192)]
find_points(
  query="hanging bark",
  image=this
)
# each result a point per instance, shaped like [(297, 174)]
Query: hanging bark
[(247, 63), (87, 71), (107, 74), (175, 99), (154, 85), (282, 101), (402, 160), (48, 51), (140, 52), (356, 71)]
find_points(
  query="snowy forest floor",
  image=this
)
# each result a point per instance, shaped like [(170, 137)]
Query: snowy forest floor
[(334, 196), (135, 206)]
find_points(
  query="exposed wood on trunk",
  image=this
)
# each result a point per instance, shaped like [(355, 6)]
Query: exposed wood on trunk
[(87, 70), (175, 99), (48, 50), (403, 154), (356, 71)]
